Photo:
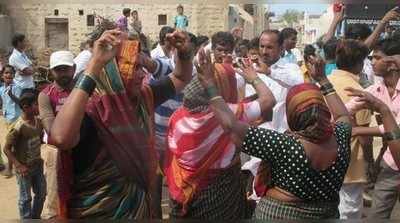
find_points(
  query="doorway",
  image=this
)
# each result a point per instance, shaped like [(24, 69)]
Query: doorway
[(57, 33)]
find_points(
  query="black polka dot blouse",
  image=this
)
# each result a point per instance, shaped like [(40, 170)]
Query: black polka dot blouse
[(292, 171)]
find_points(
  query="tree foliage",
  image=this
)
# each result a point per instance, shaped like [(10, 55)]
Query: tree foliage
[(292, 17)]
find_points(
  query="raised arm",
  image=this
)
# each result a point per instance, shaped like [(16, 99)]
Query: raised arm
[(66, 126), (225, 116), (393, 14), (337, 19), (392, 131), (182, 74), (355, 105), (265, 98), (316, 66), (147, 62)]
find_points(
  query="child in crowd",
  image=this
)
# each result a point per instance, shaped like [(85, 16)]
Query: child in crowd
[(181, 21), (10, 108), (22, 148)]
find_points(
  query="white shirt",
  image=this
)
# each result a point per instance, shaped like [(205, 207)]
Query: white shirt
[(82, 61), (278, 122), (20, 61), (283, 76), (158, 52), (369, 71), (288, 73), (298, 54)]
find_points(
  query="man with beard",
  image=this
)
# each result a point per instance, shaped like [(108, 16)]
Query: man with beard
[(51, 99), (277, 74)]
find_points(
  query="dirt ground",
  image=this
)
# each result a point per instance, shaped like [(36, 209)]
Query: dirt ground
[(9, 195)]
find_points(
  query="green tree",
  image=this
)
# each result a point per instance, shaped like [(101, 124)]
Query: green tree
[(291, 17)]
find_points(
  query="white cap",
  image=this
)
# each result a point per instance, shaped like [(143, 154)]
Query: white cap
[(61, 58)]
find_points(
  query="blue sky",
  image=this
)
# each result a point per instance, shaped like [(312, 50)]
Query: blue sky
[(309, 8)]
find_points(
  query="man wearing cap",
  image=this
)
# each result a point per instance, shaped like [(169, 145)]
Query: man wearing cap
[(51, 99)]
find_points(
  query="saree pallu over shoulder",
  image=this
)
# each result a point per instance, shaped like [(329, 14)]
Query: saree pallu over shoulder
[(199, 152), (125, 130), (226, 81)]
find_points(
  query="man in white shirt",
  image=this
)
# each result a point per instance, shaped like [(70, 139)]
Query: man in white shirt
[(279, 77), (289, 36), (21, 63), (163, 49), (81, 61)]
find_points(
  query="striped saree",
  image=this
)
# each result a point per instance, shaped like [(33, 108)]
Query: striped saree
[(116, 184), (102, 192), (203, 165), (203, 168)]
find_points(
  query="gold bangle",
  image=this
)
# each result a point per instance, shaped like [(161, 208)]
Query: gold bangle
[(331, 93), (216, 97)]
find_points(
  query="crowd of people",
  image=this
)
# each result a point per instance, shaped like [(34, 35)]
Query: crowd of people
[(236, 128)]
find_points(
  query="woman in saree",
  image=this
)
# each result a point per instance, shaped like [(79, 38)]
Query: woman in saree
[(105, 130), (203, 164), (308, 162)]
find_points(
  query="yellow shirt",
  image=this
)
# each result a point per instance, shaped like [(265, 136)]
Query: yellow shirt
[(341, 79)]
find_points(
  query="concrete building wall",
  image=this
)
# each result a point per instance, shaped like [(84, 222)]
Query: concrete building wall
[(250, 30), (316, 27), (6, 33), (29, 17)]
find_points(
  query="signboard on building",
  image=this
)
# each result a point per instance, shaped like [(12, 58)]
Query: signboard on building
[(369, 14)]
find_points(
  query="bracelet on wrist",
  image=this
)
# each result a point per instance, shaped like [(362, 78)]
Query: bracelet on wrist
[(390, 136), (325, 85), (216, 97), (327, 88), (330, 93), (86, 83), (256, 81)]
